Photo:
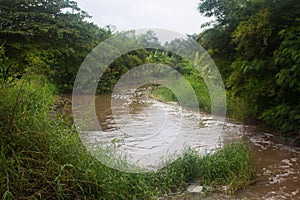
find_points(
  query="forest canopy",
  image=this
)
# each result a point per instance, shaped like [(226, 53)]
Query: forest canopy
[(48, 37)]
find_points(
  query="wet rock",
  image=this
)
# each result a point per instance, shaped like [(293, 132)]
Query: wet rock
[(195, 189)]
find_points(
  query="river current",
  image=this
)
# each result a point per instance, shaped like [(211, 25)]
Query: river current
[(277, 163)]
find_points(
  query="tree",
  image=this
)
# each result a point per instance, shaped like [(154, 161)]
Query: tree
[(41, 36), (256, 46)]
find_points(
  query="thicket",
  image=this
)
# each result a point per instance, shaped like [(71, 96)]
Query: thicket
[(256, 45), (50, 38)]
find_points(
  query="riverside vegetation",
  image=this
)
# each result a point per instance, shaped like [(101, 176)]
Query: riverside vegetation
[(254, 43), (42, 157)]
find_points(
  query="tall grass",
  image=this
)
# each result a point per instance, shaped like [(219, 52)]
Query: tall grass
[(42, 157), (199, 86), (230, 166)]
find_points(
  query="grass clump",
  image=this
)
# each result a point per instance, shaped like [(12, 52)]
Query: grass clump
[(230, 166), (42, 157), (199, 87)]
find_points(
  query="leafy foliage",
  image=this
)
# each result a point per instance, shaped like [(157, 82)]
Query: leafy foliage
[(48, 37), (256, 46)]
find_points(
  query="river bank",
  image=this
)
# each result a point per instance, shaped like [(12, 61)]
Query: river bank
[(43, 157), (276, 161)]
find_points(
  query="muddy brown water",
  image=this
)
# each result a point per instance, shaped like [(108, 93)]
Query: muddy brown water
[(277, 164)]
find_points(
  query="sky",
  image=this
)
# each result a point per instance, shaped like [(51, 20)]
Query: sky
[(181, 16)]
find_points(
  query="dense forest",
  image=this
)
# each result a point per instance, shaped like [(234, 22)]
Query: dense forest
[(254, 43)]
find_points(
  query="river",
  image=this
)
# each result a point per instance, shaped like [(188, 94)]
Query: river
[(276, 162)]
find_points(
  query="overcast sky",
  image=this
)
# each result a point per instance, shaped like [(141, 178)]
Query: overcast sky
[(177, 15)]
